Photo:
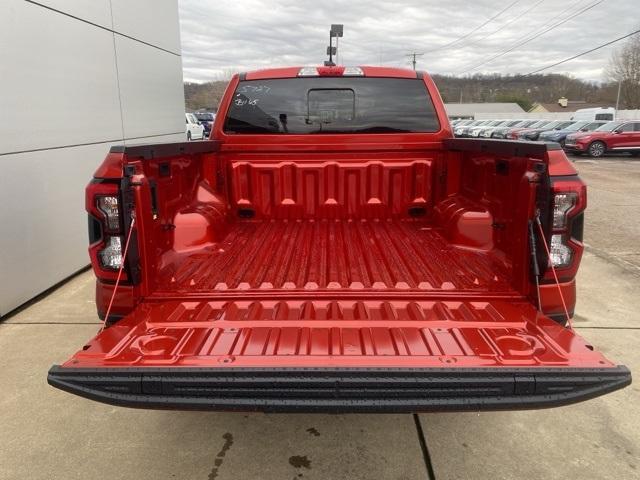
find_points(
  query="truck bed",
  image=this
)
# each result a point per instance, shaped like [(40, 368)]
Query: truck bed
[(337, 255), (373, 310)]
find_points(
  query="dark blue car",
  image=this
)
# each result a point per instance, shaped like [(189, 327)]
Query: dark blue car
[(559, 136), (206, 120)]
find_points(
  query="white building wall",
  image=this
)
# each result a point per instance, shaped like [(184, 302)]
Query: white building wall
[(76, 76)]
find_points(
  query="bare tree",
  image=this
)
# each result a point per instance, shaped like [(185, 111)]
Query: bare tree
[(624, 68)]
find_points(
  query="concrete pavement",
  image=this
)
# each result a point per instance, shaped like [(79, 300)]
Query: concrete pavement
[(48, 434)]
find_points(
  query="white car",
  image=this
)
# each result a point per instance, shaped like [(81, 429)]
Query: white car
[(195, 131)]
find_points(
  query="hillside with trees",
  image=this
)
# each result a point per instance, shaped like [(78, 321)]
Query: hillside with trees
[(478, 88), (524, 90), (623, 71), (203, 95)]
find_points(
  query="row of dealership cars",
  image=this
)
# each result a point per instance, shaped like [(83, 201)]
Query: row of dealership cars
[(198, 125), (593, 137)]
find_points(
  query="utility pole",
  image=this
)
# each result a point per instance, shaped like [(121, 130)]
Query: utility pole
[(618, 97), (413, 56)]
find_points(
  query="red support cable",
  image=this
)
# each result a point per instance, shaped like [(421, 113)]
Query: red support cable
[(115, 288), (555, 275)]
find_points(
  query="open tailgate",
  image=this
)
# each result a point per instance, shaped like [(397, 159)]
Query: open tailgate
[(338, 356)]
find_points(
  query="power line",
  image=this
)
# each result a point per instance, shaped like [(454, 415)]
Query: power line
[(363, 46), (511, 21), (583, 53), (467, 35), (501, 28), (529, 38)]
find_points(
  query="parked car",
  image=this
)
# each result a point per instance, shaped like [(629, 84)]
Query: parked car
[(512, 133), (474, 132), (206, 119), (463, 131), (559, 136), (195, 131), (501, 132), (488, 131), (622, 136), (460, 122), (328, 254), (534, 133), (480, 130)]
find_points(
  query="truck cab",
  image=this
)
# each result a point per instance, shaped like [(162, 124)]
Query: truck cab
[(332, 248)]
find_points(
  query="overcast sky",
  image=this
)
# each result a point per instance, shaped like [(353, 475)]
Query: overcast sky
[(221, 36)]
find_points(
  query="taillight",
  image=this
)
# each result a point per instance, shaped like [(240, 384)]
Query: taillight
[(111, 254), (561, 252), (569, 202), (105, 228), (562, 205), (109, 207)]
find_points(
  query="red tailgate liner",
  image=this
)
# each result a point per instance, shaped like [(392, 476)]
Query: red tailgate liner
[(339, 333), (338, 355)]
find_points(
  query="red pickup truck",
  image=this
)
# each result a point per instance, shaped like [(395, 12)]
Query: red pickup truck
[(333, 248)]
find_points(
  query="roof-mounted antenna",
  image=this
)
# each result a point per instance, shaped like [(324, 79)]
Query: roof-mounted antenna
[(336, 31)]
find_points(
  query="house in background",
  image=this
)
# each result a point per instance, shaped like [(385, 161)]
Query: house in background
[(563, 105)]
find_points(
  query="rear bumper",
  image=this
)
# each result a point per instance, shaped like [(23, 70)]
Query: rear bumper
[(355, 390)]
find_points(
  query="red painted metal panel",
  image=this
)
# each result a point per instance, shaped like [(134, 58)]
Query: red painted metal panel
[(403, 333), (335, 255), (329, 188)]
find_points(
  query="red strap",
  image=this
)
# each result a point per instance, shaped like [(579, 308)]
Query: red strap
[(115, 288), (555, 275)]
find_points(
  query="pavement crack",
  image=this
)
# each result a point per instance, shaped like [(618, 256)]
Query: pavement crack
[(423, 446)]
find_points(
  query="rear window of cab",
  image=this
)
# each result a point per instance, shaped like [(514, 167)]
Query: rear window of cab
[(323, 105)]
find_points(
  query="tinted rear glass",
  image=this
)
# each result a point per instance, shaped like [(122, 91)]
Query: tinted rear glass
[(331, 105)]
